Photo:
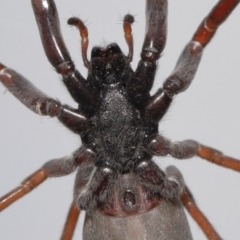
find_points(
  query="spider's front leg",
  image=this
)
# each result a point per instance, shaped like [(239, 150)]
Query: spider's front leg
[(154, 43), (48, 23)]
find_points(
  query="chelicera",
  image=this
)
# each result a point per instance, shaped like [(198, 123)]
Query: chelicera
[(117, 118)]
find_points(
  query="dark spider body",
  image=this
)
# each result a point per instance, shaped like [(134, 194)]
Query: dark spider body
[(125, 194), (118, 133), (118, 130)]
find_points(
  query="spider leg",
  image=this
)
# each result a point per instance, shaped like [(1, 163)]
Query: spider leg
[(187, 65), (39, 102), (81, 181), (216, 17), (83, 156), (27, 185), (153, 45), (214, 156), (71, 222), (190, 204), (152, 177), (186, 149), (48, 23), (156, 30), (53, 168), (88, 192)]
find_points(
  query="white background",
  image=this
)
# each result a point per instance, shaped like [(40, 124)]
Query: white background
[(208, 111)]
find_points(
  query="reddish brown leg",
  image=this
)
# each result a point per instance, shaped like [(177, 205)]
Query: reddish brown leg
[(71, 222), (53, 168), (216, 17), (214, 156), (190, 204), (27, 186)]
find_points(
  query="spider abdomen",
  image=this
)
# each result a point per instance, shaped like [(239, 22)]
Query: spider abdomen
[(131, 218)]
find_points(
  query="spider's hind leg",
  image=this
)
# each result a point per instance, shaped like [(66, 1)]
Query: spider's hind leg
[(190, 204), (33, 181), (71, 222), (192, 208), (53, 168)]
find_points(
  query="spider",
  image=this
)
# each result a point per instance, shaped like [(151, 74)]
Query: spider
[(194, 80)]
